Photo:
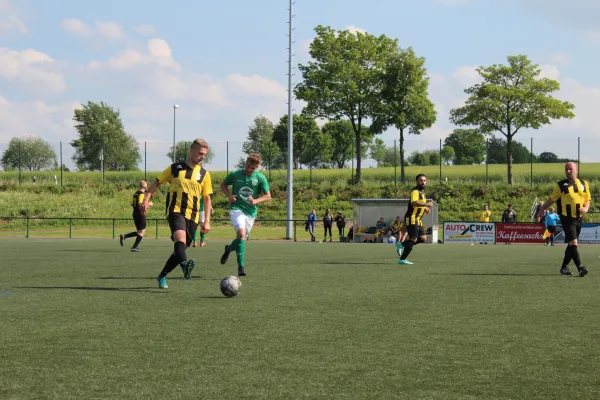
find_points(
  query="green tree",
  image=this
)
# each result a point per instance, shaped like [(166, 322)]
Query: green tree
[(344, 78), (391, 157), (100, 131), (406, 104), (305, 128), (182, 151), (548, 157), (342, 139), (497, 152), (30, 153), (448, 154), (427, 157), (377, 153), (468, 145), (260, 140), (511, 98)]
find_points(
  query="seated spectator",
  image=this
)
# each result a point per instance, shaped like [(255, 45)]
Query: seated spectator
[(381, 224)]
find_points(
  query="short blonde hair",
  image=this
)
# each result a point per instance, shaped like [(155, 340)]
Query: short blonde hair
[(143, 185), (254, 159), (199, 143)]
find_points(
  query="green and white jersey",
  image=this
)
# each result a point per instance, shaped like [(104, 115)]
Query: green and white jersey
[(244, 186)]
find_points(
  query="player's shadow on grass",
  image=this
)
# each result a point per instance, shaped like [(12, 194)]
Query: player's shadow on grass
[(493, 274), (145, 289), (91, 251), (353, 263), (175, 278)]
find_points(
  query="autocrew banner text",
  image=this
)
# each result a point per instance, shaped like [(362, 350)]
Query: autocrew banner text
[(520, 233), (465, 232)]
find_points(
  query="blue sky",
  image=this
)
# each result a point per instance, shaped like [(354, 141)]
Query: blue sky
[(225, 62)]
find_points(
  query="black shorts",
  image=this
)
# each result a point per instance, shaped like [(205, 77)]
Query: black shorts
[(140, 221), (415, 230), (551, 229), (571, 227), (178, 222)]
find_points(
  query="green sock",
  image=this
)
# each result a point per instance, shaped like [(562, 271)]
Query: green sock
[(240, 253), (195, 235), (202, 234), (234, 245)]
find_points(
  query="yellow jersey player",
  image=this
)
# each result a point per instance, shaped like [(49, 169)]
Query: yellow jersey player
[(189, 182), (417, 207), (572, 196)]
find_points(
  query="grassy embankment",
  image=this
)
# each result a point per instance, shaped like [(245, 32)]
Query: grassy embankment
[(459, 198)]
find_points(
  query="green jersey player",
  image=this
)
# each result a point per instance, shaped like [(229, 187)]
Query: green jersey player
[(202, 234), (248, 189)]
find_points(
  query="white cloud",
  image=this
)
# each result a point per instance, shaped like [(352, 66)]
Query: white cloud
[(10, 20), (106, 30), (53, 122), (30, 70), (109, 30), (355, 29), (549, 71), (446, 91), (76, 27), (145, 29)]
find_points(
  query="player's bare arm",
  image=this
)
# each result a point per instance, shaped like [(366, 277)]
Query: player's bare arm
[(585, 208), (422, 204), (261, 199), (225, 189), (146, 203), (207, 206)]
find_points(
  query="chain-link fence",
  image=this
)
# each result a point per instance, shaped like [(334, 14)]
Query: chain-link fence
[(382, 161)]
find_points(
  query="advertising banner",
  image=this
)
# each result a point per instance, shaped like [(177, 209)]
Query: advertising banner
[(469, 232), (590, 234), (520, 233)]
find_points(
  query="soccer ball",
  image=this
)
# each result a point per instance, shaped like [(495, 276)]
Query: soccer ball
[(230, 286), (391, 240)]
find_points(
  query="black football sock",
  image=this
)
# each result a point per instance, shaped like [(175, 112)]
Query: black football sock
[(180, 251), (575, 254), (406, 248), (419, 240), (138, 240), (130, 235), (568, 257), (169, 266)]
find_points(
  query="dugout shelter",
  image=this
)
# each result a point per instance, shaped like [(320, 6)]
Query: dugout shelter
[(366, 213)]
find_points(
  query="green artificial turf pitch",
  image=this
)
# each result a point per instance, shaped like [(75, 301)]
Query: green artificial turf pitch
[(84, 319)]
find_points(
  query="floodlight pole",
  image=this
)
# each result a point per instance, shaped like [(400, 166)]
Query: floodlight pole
[(290, 147)]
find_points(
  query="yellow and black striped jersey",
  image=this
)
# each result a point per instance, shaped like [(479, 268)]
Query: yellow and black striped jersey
[(188, 186), (415, 213), (138, 198), (570, 196)]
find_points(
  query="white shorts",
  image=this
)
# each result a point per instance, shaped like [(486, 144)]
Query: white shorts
[(240, 220), (201, 217)]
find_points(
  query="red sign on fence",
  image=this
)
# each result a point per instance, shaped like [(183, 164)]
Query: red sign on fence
[(520, 233)]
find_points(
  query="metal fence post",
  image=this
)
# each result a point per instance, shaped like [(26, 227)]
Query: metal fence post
[(61, 165), (70, 228), (156, 229), (27, 233), (113, 228)]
